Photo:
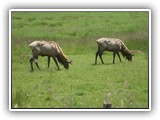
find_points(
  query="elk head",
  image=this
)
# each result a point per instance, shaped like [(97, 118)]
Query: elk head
[(66, 64)]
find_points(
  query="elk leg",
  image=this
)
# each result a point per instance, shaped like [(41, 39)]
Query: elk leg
[(56, 62), (97, 53), (114, 54), (100, 55), (37, 65), (48, 61), (31, 63), (36, 62), (119, 57)]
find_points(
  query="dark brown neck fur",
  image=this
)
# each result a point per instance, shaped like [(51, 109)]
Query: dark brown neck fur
[(62, 59), (125, 52)]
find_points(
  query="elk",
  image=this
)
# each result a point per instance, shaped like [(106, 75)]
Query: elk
[(50, 49), (114, 45)]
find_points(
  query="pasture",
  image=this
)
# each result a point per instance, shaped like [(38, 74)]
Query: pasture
[(84, 85)]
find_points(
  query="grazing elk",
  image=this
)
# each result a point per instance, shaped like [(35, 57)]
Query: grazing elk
[(114, 45), (50, 49)]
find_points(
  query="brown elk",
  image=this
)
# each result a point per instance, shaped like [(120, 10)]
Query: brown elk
[(50, 49), (114, 45)]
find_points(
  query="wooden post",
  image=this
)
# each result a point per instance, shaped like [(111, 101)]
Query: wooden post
[(107, 102), (107, 105)]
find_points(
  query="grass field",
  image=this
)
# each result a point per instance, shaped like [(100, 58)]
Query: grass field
[(84, 85)]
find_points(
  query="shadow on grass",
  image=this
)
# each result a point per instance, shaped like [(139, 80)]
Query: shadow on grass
[(93, 64)]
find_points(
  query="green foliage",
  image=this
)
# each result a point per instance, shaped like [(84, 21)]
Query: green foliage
[(84, 85)]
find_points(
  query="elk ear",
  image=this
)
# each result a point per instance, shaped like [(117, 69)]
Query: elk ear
[(70, 61), (132, 54)]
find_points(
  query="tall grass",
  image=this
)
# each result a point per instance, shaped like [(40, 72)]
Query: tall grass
[(81, 27), (84, 85)]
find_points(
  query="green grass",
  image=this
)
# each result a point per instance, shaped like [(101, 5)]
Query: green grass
[(84, 85)]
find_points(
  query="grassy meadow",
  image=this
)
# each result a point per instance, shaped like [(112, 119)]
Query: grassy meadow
[(84, 85)]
